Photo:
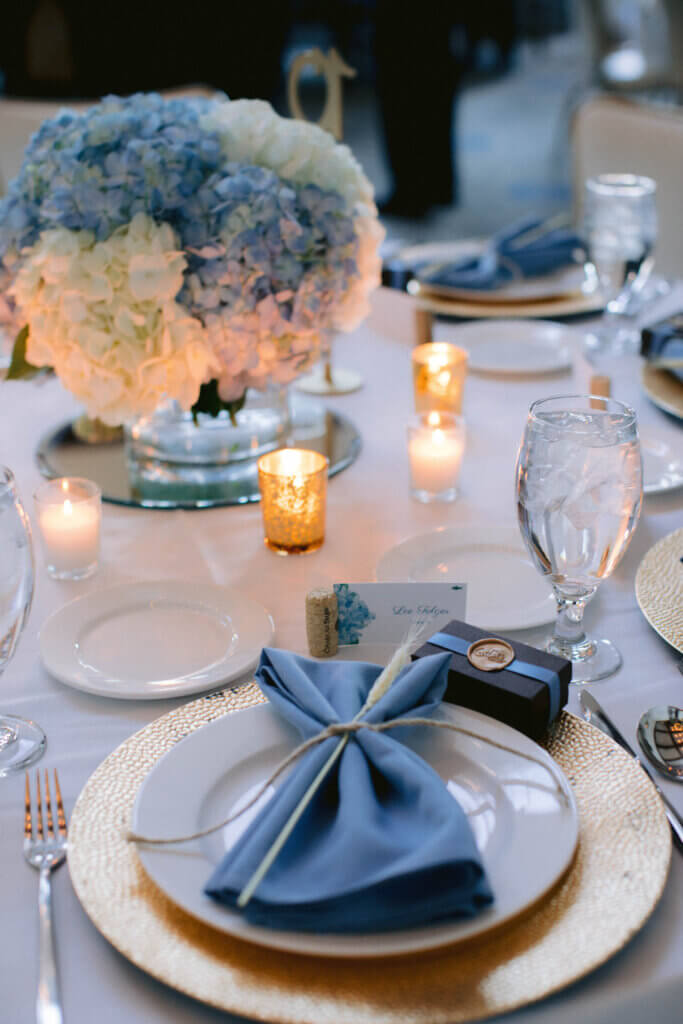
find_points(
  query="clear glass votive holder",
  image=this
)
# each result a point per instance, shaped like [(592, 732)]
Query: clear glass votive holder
[(436, 445), (69, 513), (439, 371), (293, 485)]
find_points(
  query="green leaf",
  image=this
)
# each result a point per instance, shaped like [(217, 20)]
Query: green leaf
[(211, 403), (19, 367)]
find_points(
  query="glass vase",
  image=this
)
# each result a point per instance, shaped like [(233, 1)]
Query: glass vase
[(171, 456)]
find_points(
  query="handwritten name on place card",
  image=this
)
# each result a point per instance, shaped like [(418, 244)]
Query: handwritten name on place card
[(382, 612)]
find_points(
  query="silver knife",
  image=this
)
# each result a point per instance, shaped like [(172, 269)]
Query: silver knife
[(594, 713)]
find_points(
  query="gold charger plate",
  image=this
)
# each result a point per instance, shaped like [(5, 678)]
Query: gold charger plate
[(664, 389), (659, 588), (547, 309), (608, 893)]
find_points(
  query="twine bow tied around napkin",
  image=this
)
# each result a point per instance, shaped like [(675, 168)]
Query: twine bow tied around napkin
[(362, 835), (528, 248)]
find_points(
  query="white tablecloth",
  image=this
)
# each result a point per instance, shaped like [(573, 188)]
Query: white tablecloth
[(369, 510)]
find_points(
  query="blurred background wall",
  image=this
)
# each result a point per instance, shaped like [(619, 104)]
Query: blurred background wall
[(461, 113)]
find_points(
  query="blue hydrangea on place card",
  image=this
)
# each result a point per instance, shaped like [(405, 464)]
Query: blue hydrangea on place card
[(354, 614)]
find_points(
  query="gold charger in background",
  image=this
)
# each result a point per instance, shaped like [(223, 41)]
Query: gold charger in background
[(606, 896), (664, 389), (659, 588)]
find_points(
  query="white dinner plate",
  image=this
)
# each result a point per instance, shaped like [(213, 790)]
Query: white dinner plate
[(147, 641), (505, 591), (526, 832), (515, 348), (662, 469)]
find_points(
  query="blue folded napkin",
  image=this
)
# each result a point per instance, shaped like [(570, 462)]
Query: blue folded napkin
[(383, 844), (510, 255)]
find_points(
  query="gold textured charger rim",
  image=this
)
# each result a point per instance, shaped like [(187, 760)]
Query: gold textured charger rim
[(444, 291), (664, 389), (546, 309), (608, 893), (657, 586)]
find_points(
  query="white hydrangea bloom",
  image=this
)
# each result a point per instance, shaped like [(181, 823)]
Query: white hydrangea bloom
[(251, 131), (104, 316)]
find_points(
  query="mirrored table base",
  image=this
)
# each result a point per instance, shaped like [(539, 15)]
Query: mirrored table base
[(61, 453)]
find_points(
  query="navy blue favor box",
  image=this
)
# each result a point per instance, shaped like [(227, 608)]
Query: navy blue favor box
[(517, 684)]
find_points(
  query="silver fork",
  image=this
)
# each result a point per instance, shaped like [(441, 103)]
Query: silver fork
[(45, 851)]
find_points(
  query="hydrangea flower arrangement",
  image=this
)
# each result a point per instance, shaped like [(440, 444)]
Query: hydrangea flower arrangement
[(183, 249)]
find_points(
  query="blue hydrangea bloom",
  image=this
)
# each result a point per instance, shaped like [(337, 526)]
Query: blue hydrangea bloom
[(247, 233)]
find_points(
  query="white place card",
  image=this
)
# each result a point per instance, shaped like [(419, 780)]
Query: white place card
[(383, 612)]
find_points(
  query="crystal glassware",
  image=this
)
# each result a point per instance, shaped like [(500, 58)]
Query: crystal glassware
[(21, 741), (293, 485), (579, 492), (620, 231)]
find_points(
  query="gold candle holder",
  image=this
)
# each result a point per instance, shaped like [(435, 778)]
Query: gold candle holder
[(439, 370), (293, 485)]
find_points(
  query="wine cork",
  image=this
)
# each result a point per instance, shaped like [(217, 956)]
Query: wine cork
[(322, 622), (601, 387)]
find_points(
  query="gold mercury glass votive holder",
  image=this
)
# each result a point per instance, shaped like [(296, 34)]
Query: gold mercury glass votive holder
[(439, 371), (293, 485)]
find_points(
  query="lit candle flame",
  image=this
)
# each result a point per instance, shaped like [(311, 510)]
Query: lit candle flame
[(68, 508), (434, 419)]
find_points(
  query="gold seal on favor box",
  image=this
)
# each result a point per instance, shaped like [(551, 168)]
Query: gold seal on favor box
[(490, 654)]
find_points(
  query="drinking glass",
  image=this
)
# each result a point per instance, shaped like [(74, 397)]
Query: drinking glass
[(620, 230), (21, 741), (579, 491)]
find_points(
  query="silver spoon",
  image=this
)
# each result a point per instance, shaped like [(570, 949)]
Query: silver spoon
[(660, 735)]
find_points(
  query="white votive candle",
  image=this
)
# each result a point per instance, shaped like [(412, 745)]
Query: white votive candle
[(436, 443), (69, 511)]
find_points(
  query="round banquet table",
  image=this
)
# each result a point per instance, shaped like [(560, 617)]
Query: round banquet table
[(369, 510)]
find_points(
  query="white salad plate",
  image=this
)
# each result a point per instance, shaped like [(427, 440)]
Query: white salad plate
[(147, 641), (526, 828), (662, 469), (505, 591), (515, 348)]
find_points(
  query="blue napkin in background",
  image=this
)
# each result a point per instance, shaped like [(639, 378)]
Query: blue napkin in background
[(509, 256), (383, 844)]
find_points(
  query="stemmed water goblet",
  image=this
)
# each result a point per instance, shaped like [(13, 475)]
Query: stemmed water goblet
[(579, 492), (21, 741), (620, 231)]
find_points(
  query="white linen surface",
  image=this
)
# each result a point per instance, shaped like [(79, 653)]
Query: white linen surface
[(369, 510)]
